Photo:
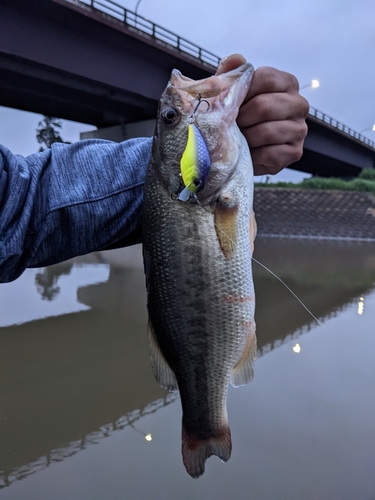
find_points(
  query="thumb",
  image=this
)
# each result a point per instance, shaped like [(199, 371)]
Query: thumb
[(229, 63)]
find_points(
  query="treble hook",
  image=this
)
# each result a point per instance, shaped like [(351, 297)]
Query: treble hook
[(198, 98)]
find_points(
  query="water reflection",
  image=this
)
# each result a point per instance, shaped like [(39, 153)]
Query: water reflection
[(46, 280), (71, 380), (327, 275), (361, 305), (20, 301), (67, 450), (297, 348)]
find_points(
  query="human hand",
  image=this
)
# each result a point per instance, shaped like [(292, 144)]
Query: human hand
[(272, 117)]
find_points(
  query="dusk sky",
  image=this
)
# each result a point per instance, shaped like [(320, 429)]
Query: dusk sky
[(329, 40)]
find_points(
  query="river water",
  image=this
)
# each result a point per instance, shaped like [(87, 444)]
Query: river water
[(81, 416)]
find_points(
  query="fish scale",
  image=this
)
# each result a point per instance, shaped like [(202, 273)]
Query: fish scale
[(200, 294)]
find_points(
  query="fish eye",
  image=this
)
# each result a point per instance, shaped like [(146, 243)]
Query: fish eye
[(170, 116)]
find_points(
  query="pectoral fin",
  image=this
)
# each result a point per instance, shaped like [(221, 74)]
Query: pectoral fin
[(243, 372), (253, 231), (162, 371), (226, 225)]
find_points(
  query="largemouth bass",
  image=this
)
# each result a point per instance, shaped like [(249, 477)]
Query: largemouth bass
[(198, 233)]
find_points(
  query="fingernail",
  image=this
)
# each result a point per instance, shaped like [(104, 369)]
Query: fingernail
[(222, 62)]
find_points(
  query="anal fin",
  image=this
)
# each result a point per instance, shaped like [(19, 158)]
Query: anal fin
[(243, 372), (162, 371)]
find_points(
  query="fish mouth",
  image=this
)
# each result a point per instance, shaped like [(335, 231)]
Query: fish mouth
[(212, 105), (224, 93)]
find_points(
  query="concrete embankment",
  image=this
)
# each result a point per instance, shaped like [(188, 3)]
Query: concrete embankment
[(316, 214)]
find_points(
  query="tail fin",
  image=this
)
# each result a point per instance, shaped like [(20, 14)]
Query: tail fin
[(195, 452)]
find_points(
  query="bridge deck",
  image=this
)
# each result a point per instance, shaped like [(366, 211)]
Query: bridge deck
[(94, 61)]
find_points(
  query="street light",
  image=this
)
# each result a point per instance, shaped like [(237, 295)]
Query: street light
[(136, 13), (368, 128), (314, 84), (136, 7)]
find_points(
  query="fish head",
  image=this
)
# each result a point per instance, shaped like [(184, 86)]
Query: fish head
[(209, 107)]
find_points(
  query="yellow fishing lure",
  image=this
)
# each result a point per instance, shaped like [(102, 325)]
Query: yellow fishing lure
[(194, 164)]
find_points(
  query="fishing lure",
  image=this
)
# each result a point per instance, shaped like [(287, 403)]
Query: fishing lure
[(195, 161)]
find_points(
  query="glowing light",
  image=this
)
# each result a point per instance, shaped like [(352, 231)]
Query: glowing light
[(297, 348), (361, 305), (148, 437), (368, 128), (314, 84)]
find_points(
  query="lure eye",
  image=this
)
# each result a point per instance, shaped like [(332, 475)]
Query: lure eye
[(170, 116)]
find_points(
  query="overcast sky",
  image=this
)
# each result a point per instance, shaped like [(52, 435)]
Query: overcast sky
[(329, 40)]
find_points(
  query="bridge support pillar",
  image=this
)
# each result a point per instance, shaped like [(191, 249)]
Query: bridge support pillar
[(120, 133)]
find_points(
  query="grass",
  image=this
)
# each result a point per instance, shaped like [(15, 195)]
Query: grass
[(364, 182)]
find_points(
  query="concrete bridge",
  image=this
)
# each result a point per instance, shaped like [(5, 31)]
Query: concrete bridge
[(96, 62)]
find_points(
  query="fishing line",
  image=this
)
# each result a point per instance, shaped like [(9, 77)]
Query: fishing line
[(191, 119), (273, 274), (294, 295), (316, 319), (287, 287), (290, 290)]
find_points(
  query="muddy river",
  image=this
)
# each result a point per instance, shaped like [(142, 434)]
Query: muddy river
[(82, 418)]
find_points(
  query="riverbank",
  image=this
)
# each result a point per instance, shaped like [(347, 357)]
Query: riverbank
[(315, 214)]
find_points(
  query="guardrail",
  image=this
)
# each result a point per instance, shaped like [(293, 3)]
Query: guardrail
[(340, 126), (149, 29)]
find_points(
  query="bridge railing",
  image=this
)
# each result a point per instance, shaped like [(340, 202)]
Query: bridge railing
[(150, 29), (340, 126)]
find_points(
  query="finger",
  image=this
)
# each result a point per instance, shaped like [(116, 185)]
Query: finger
[(276, 132), (272, 107), (272, 159), (229, 63), (270, 80)]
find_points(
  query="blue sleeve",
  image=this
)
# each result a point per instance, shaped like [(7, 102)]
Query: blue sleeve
[(69, 200)]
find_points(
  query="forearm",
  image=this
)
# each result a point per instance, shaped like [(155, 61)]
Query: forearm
[(68, 201)]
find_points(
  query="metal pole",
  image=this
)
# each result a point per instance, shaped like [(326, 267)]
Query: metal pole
[(136, 7), (136, 10), (368, 128)]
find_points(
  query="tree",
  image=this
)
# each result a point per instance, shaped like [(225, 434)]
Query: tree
[(46, 280), (48, 132)]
